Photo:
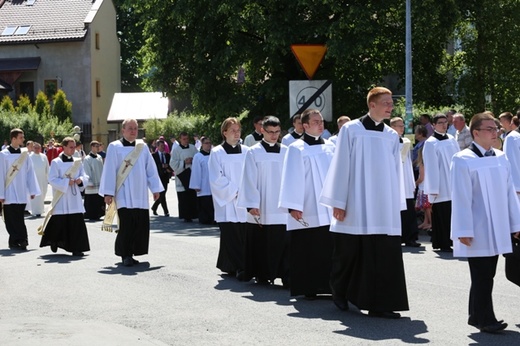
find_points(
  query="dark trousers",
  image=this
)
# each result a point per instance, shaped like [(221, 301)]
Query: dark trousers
[(15, 224), (482, 271), (133, 236), (409, 228), (441, 227), (162, 200)]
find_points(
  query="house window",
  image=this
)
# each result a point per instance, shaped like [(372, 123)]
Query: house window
[(9, 30), (98, 88), (97, 40), (22, 30), (51, 87)]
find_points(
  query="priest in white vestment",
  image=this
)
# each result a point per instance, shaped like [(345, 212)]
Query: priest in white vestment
[(363, 187), (225, 166), (66, 227), (41, 169), (266, 243), (18, 184), (132, 199), (304, 170), (486, 212)]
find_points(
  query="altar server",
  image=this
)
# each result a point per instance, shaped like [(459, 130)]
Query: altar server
[(93, 165), (41, 169), (485, 213), (437, 154), (266, 245), (305, 167), (297, 132), (225, 165), (363, 188), (200, 182)]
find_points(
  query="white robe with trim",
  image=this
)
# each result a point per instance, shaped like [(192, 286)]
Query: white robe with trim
[(484, 204), (437, 157), (71, 202), (369, 190), (143, 176), (225, 175), (23, 185), (200, 175), (304, 170), (260, 187), (512, 151)]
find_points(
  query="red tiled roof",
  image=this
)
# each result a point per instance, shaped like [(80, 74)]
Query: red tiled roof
[(50, 20)]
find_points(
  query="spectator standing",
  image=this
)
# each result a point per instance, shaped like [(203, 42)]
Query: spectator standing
[(164, 170)]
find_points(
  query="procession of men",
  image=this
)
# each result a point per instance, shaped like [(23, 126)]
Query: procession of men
[(327, 217)]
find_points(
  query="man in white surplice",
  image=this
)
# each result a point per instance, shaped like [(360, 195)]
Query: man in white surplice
[(363, 187), (41, 168), (485, 213)]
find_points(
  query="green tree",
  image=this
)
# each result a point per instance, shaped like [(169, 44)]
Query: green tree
[(193, 50), (42, 105), (7, 104), (487, 65), (62, 108), (24, 104)]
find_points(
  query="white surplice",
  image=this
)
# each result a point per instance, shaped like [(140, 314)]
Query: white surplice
[(93, 167), (512, 151), (200, 175), (371, 194), (143, 176), (437, 157), (41, 169), (178, 155), (71, 202), (225, 176), (484, 204), (408, 177), (304, 170), (261, 181), (23, 185)]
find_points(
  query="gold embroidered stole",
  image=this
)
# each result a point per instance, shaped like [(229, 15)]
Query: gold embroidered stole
[(122, 173), (58, 194)]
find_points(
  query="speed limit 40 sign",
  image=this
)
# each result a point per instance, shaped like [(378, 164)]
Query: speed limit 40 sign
[(317, 94)]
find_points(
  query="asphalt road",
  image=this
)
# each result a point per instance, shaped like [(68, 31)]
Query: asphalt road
[(176, 296)]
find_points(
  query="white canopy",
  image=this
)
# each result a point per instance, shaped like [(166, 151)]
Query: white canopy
[(140, 106)]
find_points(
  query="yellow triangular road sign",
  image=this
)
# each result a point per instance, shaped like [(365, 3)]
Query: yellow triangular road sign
[(309, 56)]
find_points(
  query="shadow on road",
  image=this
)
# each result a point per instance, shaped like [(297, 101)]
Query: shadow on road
[(10, 253), (172, 225), (119, 269), (507, 337), (61, 258)]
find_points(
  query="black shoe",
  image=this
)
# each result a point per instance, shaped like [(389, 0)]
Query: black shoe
[(341, 303), (167, 214), (310, 296), (385, 314), (155, 212), (135, 261), (188, 220), (494, 328), (446, 249), (38, 215), (78, 254), (128, 261), (54, 247), (412, 244), (241, 276)]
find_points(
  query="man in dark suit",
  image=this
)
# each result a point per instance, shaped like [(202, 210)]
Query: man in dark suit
[(162, 160)]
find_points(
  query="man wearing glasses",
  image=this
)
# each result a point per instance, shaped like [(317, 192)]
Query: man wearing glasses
[(305, 167), (266, 223), (437, 154), (485, 214)]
